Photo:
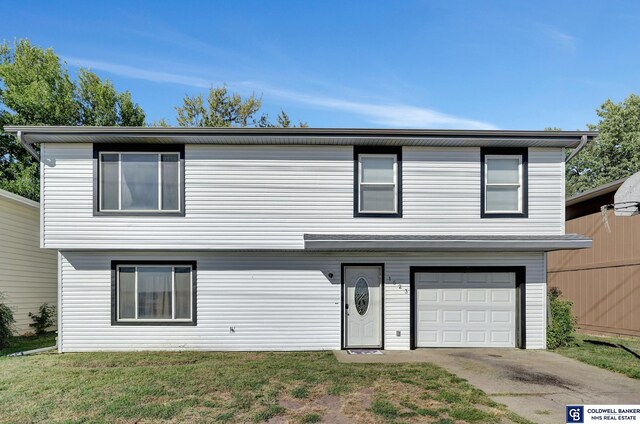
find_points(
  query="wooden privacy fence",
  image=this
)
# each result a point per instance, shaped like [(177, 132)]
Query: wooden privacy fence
[(604, 281)]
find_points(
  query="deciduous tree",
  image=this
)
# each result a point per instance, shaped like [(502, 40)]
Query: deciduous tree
[(224, 109), (36, 89), (615, 153)]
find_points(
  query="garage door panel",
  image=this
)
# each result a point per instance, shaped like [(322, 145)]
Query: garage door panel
[(428, 336), (451, 295), (477, 317), (428, 296), (476, 295), (501, 337), (451, 317), (452, 336), (465, 309), (502, 295), (477, 337), (501, 317), (428, 316)]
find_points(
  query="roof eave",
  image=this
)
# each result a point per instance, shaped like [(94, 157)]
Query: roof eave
[(595, 192), (444, 246), (50, 134)]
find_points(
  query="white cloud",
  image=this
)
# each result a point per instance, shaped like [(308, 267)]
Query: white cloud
[(560, 38), (385, 113), (138, 73)]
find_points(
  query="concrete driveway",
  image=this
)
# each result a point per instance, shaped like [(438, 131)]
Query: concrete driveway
[(535, 384)]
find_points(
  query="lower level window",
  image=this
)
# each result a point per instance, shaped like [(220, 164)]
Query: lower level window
[(154, 293)]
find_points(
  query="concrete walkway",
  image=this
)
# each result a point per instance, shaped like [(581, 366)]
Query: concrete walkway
[(535, 384)]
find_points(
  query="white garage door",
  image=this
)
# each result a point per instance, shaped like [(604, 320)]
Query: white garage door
[(475, 309)]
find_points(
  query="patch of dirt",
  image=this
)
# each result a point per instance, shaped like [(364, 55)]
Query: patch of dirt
[(328, 401), (366, 397), (329, 406), (290, 403)]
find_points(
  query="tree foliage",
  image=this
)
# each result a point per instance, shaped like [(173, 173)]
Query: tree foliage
[(224, 109), (100, 104), (36, 89), (615, 153)]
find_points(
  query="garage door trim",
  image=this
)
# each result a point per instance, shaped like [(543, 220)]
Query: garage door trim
[(519, 271)]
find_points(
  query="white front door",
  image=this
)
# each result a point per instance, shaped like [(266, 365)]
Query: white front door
[(473, 309), (363, 306)]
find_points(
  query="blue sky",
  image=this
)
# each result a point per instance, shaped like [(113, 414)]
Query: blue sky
[(426, 64)]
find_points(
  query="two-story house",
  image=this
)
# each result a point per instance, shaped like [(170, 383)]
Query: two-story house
[(301, 239)]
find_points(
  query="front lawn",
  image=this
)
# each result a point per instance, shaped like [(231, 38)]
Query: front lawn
[(24, 343), (613, 353), (234, 387)]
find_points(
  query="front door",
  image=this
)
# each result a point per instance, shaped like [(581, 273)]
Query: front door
[(363, 306)]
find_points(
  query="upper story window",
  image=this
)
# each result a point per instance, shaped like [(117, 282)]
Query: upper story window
[(378, 182), (504, 183), (142, 180)]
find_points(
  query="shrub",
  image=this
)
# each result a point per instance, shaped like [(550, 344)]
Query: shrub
[(43, 320), (6, 323), (562, 324)]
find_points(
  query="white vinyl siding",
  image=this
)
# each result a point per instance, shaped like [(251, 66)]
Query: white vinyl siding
[(267, 197), (261, 301), (28, 274)]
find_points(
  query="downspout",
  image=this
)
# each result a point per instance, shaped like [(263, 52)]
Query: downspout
[(28, 146), (583, 143)]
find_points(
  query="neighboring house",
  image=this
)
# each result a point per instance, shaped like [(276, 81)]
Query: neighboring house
[(604, 281), (301, 239), (28, 274)]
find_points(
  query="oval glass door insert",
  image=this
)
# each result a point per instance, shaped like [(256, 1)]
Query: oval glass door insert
[(361, 294)]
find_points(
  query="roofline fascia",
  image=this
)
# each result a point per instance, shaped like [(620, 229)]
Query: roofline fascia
[(569, 136), (595, 192), (19, 199), (448, 245)]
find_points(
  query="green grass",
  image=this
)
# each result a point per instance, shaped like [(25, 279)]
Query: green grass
[(22, 343), (384, 408), (311, 418), (300, 392), (233, 388), (613, 353)]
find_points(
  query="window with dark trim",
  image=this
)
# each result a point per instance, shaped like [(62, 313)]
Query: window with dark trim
[(504, 183), (153, 292), (377, 182), (143, 179)]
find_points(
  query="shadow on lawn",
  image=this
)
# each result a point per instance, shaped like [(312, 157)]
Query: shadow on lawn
[(619, 346)]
